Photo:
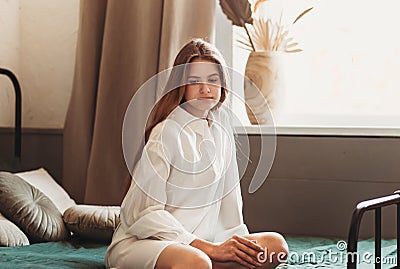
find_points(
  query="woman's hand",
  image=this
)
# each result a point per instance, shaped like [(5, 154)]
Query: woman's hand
[(237, 249)]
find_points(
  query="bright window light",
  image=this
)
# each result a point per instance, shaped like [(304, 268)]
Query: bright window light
[(348, 73)]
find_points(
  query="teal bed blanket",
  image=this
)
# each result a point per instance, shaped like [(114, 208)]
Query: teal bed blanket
[(305, 252), (314, 252), (53, 255)]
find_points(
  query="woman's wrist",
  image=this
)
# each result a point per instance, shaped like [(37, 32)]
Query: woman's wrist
[(205, 246)]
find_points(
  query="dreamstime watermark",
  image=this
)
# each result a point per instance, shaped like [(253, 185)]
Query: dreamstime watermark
[(337, 256)]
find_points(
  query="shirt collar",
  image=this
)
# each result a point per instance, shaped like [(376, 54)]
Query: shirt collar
[(187, 120)]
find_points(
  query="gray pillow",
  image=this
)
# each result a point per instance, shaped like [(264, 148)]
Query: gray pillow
[(32, 211), (92, 222), (10, 234)]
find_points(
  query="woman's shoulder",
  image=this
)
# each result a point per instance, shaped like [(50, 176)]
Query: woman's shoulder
[(223, 114), (165, 131), (223, 119)]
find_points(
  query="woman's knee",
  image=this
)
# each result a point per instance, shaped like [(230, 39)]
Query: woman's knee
[(198, 260), (275, 245), (278, 241), (178, 256)]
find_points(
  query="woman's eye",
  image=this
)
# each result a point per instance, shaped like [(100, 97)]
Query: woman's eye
[(193, 81), (213, 80)]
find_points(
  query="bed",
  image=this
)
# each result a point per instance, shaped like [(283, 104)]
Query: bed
[(316, 252), (42, 227), (305, 252), (54, 255), (77, 251)]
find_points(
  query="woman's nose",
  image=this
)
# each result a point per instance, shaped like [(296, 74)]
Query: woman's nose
[(204, 88)]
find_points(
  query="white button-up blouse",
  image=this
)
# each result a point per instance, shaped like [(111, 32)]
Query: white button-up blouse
[(186, 183)]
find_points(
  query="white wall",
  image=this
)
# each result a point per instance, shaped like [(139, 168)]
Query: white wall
[(9, 47), (40, 49), (223, 36)]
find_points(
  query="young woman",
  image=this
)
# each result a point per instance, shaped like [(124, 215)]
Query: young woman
[(184, 206)]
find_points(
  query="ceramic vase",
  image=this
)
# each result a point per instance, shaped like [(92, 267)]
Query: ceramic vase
[(263, 86)]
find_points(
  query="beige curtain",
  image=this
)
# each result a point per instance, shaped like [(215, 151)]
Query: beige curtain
[(121, 44)]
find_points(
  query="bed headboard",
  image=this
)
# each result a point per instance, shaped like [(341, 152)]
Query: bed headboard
[(18, 99)]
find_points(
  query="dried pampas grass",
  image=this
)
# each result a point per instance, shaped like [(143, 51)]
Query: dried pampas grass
[(262, 33)]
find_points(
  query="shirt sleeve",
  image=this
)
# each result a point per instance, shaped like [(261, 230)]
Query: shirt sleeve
[(230, 219), (143, 211)]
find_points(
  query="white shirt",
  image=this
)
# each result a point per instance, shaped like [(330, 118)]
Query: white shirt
[(185, 185)]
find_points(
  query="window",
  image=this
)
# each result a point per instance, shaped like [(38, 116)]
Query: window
[(349, 71)]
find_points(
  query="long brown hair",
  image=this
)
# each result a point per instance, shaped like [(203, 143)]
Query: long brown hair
[(195, 49)]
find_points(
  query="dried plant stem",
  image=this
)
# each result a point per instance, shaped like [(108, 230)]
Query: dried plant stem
[(265, 35), (302, 14), (245, 45), (277, 38), (259, 2), (248, 34)]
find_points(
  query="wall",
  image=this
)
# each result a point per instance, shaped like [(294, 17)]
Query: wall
[(312, 189), (316, 182), (40, 148), (37, 42), (223, 37), (9, 47)]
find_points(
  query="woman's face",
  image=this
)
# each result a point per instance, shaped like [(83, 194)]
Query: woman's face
[(203, 87)]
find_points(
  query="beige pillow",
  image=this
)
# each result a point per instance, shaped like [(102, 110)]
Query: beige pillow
[(31, 210), (92, 222), (43, 181), (10, 234)]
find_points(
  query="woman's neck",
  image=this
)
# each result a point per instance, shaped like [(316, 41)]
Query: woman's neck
[(202, 114)]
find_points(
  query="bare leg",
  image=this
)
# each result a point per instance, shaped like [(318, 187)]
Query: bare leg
[(274, 242), (178, 256)]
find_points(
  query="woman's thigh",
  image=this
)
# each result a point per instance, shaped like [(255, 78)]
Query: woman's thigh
[(142, 254), (183, 256), (274, 244)]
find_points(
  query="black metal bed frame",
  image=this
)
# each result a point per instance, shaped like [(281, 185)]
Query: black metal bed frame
[(17, 124), (376, 205)]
